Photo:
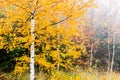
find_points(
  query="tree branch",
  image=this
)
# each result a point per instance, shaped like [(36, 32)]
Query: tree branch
[(62, 20), (46, 5), (57, 22), (21, 7)]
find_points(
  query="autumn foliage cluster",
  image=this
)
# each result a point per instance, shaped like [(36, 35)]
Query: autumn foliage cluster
[(59, 34)]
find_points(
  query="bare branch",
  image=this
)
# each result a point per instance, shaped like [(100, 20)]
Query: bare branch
[(46, 5), (22, 8), (63, 19), (58, 22)]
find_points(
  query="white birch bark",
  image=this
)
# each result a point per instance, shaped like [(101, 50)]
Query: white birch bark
[(113, 54), (32, 72), (108, 46), (92, 39), (58, 46), (32, 51), (91, 55)]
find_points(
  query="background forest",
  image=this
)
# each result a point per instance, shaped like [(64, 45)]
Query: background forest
[(59, 40)]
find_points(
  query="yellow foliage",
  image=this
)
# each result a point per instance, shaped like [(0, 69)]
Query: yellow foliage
[(41, 61), (56, 25), (21, 65)]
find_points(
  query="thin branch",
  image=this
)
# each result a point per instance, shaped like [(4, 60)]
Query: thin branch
[(22, 8), (57, 22), (37, 1), (63, 19), (46, 5), (55, 3)]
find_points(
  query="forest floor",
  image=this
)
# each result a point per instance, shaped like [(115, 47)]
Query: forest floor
[(60, 75)]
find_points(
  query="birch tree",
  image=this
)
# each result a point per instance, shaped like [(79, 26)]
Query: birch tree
[(113, 54), (104, 26), (32, 51), (31, 23)]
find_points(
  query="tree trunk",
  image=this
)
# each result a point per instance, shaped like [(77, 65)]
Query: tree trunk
[(91, 55), (108, 51), (32, 72), (58, 47), (92, 39), (113, 54), (58, 44)]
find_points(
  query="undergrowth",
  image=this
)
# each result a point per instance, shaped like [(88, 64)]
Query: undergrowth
[(62, 75)]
